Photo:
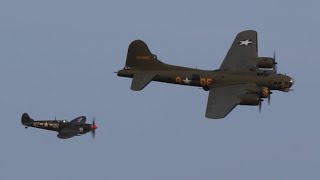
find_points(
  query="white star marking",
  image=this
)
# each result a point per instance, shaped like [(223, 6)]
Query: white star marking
[(186, 81), (46, 124), (245, 42)]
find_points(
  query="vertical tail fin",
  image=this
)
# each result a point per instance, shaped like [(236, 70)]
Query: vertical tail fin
[(26, 120), (142, 61), (140, 56)]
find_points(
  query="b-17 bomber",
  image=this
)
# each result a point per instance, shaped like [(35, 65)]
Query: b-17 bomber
[(243, 78), (64, 128)]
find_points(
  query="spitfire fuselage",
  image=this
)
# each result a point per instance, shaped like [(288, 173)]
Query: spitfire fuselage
[(64, 128), (61, 126)]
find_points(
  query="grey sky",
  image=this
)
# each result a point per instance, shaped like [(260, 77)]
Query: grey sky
[(57, 58)]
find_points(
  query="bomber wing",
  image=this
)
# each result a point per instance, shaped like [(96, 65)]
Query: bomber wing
[(223, 99), (243, 53)]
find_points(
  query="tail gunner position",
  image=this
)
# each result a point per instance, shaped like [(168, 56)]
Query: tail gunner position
[(243, 78), (64, 128)]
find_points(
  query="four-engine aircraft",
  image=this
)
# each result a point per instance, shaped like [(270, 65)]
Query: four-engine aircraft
[(64, 128), (243, 78)]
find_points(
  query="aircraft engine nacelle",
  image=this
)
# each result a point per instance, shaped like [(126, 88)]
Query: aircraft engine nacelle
[(262, 92), (265, 62), (249, 99)]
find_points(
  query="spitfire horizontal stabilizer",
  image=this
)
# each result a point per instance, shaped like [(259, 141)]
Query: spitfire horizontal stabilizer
[(139, 81)]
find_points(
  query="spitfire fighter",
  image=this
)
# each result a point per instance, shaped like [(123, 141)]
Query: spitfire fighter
[(64, 128), (243, 78)]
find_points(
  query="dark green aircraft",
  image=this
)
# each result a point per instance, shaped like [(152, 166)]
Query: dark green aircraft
[(243, 78), (64, 128)]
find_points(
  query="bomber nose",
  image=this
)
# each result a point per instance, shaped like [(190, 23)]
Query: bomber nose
[(291, 81)]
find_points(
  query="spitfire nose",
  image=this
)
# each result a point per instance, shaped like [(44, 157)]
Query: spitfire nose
[(94, 127)]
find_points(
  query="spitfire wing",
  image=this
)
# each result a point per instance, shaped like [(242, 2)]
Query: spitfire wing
[(223, 99), (66, 135), (242, 53), (68, 132)]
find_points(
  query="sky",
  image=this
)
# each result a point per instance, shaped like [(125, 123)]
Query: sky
[(58, 58)]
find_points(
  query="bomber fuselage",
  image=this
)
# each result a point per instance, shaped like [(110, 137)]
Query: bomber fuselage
[(207, 78)]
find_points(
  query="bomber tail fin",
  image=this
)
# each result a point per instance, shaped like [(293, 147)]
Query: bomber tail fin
[(139, 56), (26, 120), (140, 65)]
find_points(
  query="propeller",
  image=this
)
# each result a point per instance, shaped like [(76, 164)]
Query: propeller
[(269, 98), (93, 127), (260, 105), (275, 69)]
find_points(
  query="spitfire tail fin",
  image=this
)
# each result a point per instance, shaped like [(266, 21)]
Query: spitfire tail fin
[(26, 120), (140, 56)]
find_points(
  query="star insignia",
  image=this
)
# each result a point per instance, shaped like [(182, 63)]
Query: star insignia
[(245, 42), (187, 80), (46, 124)]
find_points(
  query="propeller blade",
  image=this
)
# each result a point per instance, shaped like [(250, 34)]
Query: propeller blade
[(274, 55), (260, 106), (275, 69), (269, 99), (93, 134)]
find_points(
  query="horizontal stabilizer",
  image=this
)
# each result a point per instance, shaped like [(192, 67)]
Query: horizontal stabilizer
[(141, 80)]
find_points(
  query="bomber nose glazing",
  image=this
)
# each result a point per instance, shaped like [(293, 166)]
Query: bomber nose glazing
[(291, 81)]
